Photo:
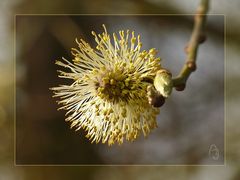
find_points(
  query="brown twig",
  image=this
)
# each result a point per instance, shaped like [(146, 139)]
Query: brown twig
[(197, 37)]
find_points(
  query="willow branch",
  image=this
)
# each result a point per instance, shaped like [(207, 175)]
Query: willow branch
[(197, 37)]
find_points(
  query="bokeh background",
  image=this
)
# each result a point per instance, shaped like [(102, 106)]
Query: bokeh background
[(180, 128)]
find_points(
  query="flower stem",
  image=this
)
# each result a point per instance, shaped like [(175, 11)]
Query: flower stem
[(197, 37)]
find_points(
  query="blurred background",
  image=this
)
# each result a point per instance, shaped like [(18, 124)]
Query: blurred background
[(191, 123)]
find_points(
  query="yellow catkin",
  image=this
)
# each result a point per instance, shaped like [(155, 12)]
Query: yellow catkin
[(108, 95)]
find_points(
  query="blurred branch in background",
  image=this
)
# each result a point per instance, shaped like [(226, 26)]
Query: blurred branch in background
[(61, 29)]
